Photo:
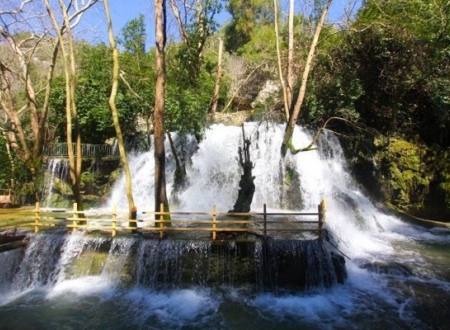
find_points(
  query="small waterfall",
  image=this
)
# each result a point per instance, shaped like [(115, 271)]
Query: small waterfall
[(161, 263), (57, 169), (297, 264), (50, 260), (39, 263), (10, 261)]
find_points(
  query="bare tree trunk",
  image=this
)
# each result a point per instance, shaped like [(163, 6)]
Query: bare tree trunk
[(246, 184), (180, 169), (218, 80), (75, 158), (280, 66), (112, 105), (290, 65), (176, 13), (158, 120), (201, 28), (72, 74), (302, 92)]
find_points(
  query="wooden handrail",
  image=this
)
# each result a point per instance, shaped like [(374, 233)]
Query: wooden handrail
[(87, 150), (214, 222)]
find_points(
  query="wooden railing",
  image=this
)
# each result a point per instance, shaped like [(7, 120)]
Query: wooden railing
[(87, 150), (213, 222)]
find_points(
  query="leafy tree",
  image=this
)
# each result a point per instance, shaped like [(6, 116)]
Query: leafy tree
[(137, 70), (94, 88), (198, 24), (247, 16), (192, 71), (133, 37), (14, 174), (334, 85), (187, 107), (402, 56), (391, 69), (92, 95)]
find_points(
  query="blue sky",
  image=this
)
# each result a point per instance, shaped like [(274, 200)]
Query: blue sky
[(122, 11)]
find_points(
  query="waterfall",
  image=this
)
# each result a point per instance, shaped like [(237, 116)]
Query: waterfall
[(397, 273), (57, 169), (214, 174)]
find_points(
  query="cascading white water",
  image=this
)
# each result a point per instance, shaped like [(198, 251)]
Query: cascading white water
[(392, 266), (214, 180), (57, 169)]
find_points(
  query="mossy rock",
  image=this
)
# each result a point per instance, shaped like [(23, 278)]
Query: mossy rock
[(412, 176)]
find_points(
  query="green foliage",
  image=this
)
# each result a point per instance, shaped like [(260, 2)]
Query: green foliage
[(414, 177), (138, 74), (133, 36), (56, 122), (5, 174), (403, 57), (13, 170), (247, 16), (93, 90), (438, 162), (401, 167), (187, 104), (334, 85), (261, 46), (392, 71), (92, 93), (191, 75), (428, 20)]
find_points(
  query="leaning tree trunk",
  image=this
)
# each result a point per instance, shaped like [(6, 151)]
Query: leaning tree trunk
[(280, 64), (246, 184), (115, 116), (180, 177), (215, 99), (75, 163), (158, 119), (302, 92)]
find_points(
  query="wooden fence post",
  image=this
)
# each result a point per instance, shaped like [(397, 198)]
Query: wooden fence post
[(114, 221), (322, 215), (133, 218), (265, 222), (36, 218), (161, 217), (214, 224), (75, 218)]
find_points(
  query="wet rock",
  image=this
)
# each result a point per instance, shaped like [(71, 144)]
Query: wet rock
[(387, 267), (339, 267)]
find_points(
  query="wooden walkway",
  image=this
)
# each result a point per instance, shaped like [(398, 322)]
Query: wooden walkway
[(215, 224)]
